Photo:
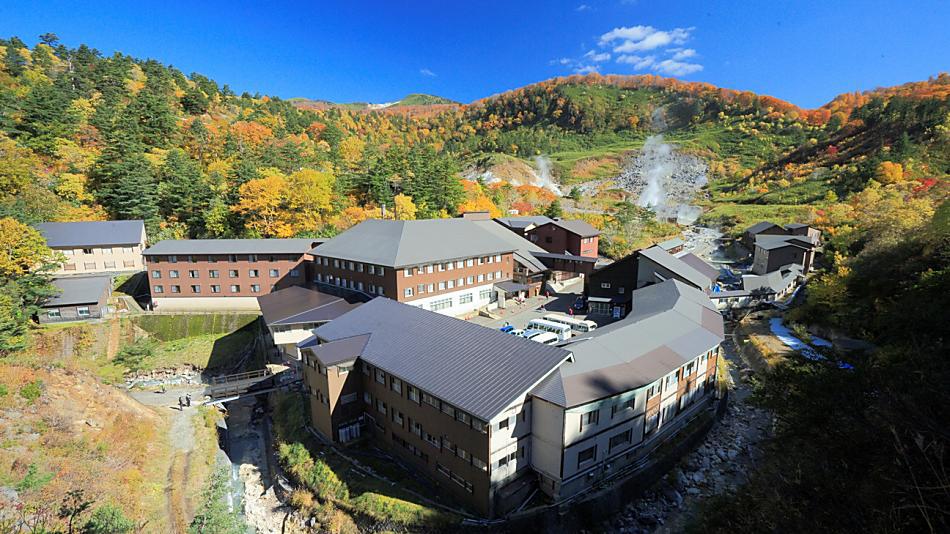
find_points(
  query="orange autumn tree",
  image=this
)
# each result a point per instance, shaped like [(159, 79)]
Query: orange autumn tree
[(477, 200)]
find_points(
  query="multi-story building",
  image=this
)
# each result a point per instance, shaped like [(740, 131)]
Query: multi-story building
[(450, 266), (291, 314), (96, 247), (223, 274), (562, 236), (490, 416), (448, 396), (529, 270), (775, 252)]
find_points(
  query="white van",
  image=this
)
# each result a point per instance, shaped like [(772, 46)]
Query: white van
[(562, 331), (548, 338), (581, 325)]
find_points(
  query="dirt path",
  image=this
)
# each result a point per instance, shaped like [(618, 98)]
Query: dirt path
[(115, 332)]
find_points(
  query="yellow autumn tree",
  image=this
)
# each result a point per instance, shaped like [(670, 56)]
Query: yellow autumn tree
[(308, 197), (403, 207), (22, 249), (261, 203), (351, 151), (889, 172)]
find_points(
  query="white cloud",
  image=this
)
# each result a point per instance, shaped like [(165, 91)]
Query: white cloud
[(683, 53), (586, 69), (598, 57), (638, 62), (643, 38), (582, 7), (427, 72), (676, 68)]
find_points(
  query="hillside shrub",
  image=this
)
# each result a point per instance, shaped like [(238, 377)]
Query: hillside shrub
[(31, 391), (108, 519), (311, 472), (134, 356)]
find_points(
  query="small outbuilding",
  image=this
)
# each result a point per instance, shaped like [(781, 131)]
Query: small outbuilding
[(80, 298)]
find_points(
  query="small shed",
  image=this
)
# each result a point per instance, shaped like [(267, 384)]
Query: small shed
[(80, 298)]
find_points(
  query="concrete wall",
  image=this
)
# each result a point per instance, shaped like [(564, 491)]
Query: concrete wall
[(205, 304)]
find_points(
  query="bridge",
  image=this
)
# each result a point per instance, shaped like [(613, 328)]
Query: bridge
[(236, 384)]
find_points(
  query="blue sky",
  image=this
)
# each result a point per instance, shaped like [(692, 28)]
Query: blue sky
[(804, 51)]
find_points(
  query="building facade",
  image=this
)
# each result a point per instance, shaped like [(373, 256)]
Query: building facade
[(572, 237), (79, 298), (96, 247), (197, 274)]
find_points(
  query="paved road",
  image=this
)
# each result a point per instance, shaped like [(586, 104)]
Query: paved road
[(534, 308)]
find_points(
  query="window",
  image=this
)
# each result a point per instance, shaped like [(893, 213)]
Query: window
[(413, 394), (212, 259), (252, 257), (232, 273), (589, 418), (359, 267), (469, 262), (430, 400), (463, 454), (68, 251), (379, 271), (420, 289), (434, 441), (294, 273), (462, 417), (255, 288), (481, 278), (381, 406), (367, 398), (407, 292), (479, 463), (171, 259), (441, 304), (415, 427), (441, 267), (620, 440), (396, 385), (196, 289), (232, 258), (620, 290), (54, 314), (653, 390), (448, 409), (622, 406), (484, 294), (253, 273), (470, 280), (350, 266), (503, 424), (490, 276), (192, 274), (441, 286), (108, 265), (343, 369), (173, 274), (480, 425), (158, 289), (397, 416), (498, 275), (379, 290), (605, 285), (349, 398), (460, 282), (82, 311), (215, 289), (450, 265), (214, 274), (451, 284), (380, 376), (586, 455), (156, 274), (176, 289), (275, 273), (372, 269), (498, 258), (69, 267), (652, 420), (429, 268), (448, 445), (235, 289), (481, 260)]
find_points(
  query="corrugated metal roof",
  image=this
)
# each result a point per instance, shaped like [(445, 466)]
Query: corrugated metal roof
[(670, 324), (759, 227), (480, 370), (700, 265), (521, 223), (294, 305), (577, 226), (771, 242), (670, 244), (231, 246), (79, 290), (92, 233), (406, 243), (677, 266), (343, 350)]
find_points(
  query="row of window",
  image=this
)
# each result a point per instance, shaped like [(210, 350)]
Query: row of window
[(196, 289), (455, 477), (354, 266), (448, 266), (225, 257), (232, 273), (422, 289), (97, 250), (419, 397), (90, 265), (82, 311), (372, 289)]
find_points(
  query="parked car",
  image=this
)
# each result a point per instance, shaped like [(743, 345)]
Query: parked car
[(580, 303), (507, 328), (548, 338), (517, 332)]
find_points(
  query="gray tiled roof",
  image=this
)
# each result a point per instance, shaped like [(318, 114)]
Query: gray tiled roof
[(294, 305), (577, 226), (343, 350), (231, 246), (79, 290), (700, 265), (678, 266), (759, 226), (480, 370), (770, 242), (523, 222), (92, 233), (523, 252), (405, 243), (670, 324)]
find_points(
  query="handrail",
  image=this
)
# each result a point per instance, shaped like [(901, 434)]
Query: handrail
[(248, 375)]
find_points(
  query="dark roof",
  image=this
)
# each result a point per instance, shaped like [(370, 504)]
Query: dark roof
[(700, 265), (521, 223), (79, 290), (670, 244), (571, 257), (795, 226), (231, 246), (295, 305), (576, 226), (677, 266), (770, 242), (511, 287), (525, 248), (405, 243), (92, 233), (343, 350), (670, 324), (480, 370), (760, 226)]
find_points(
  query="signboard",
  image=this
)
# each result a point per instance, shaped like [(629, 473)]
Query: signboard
[(618, 311)]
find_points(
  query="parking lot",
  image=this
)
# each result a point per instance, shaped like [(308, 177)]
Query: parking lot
[(518, 315)]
